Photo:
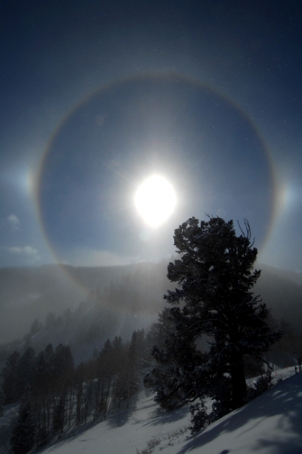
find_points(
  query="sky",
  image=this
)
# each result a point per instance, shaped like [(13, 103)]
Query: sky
[(98, 96)]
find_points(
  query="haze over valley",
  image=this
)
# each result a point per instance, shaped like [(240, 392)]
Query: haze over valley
[(88, 305)]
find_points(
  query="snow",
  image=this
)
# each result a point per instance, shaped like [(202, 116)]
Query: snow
[(270, 424)]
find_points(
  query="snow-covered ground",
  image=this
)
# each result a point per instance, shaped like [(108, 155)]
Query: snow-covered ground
[(270, 424)]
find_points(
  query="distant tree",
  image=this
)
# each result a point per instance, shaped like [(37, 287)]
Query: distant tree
[(79, 378), (25, 371), (119, 365), (9, 377), (1, 402), (49, 355), (105, 372), (35, 327), (125, 363), (132, 364), (50, 321), (40, 391), (23, 435), (63, 367), (215, 276), (59, 416), (44, 391), (67, 316)]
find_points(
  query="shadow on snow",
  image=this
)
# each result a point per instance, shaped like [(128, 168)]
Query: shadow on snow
[(283, 401)]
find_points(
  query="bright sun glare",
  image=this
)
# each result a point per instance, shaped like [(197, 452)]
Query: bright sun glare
[(155, 200)]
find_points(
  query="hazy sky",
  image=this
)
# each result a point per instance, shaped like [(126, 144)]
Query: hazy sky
[(96, 96)]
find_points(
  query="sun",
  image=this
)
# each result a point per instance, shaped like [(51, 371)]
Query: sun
[(155, 200)]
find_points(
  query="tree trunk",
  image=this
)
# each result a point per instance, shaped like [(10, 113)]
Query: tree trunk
[(239, 390)]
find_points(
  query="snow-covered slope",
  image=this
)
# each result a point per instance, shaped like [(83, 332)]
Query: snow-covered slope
[(271, 424)]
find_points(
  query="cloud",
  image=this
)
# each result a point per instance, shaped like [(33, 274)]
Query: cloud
[(26, 250), (13, 221), (94, 257)]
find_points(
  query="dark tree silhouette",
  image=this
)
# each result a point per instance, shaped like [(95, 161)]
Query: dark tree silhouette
[(180, 374), (215, 276), (9, 376), (1, 402), (25, 371), (23, 435)]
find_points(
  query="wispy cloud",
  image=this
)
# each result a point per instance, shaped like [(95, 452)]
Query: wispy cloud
[(26, 250), (93, 257), (13, 221)]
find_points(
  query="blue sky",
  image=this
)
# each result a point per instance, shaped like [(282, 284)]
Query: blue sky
[(96, 96)]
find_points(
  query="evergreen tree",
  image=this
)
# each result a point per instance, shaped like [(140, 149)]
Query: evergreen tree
[(119, 362), (131, 366), (79, 378), (23, 435), (1, 402), (35, 327), (180, 374), (59, 416), (43, 399), (63, 367), (25, 371), (9, 376), (50, 321), (106, 374), (215, 276), (157, 334), (49, 360)]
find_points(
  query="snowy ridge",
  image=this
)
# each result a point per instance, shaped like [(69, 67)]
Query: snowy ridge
[(270, 424)]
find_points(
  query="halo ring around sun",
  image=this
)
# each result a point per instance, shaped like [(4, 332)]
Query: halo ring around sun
[(50, 158)]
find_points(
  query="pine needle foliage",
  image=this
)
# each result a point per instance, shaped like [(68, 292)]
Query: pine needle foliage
[(215, 277)]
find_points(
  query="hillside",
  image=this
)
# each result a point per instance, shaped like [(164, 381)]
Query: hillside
[(271, 424), (33, 293)]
